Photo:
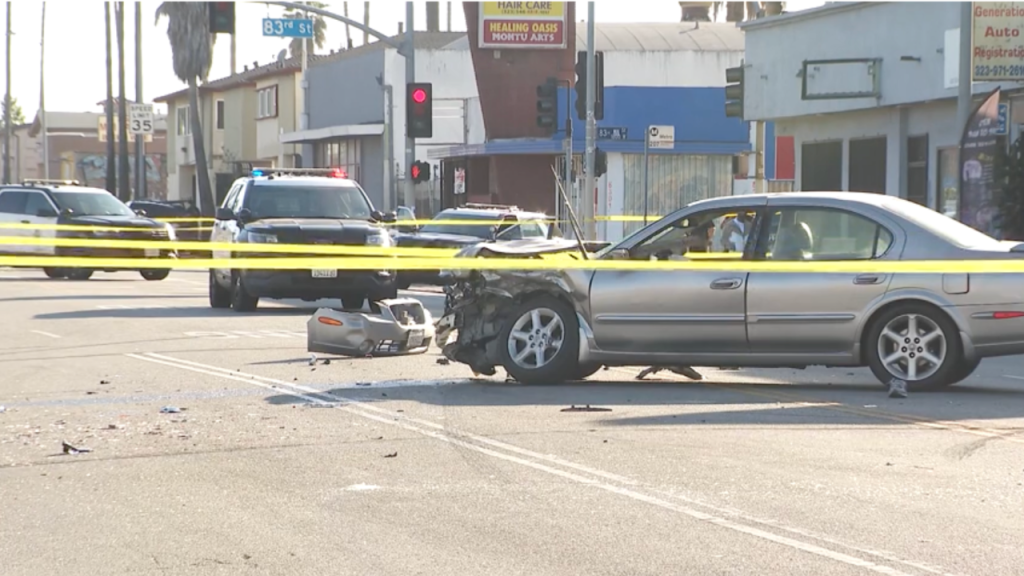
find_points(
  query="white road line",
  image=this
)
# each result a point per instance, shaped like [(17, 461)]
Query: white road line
[(438, 432), (1013, 377), (47, 334)]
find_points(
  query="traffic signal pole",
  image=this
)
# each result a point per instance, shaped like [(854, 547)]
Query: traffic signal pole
[(589, 210), (410, 77)]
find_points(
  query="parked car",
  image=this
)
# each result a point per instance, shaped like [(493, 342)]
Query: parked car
[(187, 231), (92, 211), (929, 330), (299, 206)]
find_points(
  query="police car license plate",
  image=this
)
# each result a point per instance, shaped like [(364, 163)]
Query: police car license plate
[(325, 273), (415, 338), (152, 253)]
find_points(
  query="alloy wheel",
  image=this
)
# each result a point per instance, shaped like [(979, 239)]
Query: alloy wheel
[(912, 347), (536, 338)]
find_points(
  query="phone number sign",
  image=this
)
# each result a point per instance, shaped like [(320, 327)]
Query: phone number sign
[(522, 25), (997, 41)]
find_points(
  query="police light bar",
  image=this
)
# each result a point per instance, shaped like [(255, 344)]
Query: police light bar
[(272, 172)]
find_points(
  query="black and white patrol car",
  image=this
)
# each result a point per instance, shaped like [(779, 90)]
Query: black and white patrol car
[(298, 206), (92, 212)]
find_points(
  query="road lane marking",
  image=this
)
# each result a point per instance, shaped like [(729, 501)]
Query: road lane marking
[(47, 334), (439, 432), (1013, 377), (254, 334), (877, 414)]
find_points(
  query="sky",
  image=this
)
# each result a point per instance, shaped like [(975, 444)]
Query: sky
[(75, 56)]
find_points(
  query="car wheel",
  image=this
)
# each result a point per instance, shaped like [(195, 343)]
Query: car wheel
[(539, 342), (155, 275), (403, 284), (964, 370), (241, 300), (353, 302), (55, 273), (587, 370), (219, 296), (79, 274), (915, 343)]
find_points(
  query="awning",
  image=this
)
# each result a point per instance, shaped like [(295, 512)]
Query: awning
[(331, 132), (547, 146)]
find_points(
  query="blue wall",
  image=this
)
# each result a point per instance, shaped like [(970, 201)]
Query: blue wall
[(698, 115)]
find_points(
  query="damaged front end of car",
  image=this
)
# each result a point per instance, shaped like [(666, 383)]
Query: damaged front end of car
[(477, 302)]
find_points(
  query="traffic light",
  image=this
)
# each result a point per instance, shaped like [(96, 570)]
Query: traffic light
[(581, 85), (600, 162), (420, 171), (419, 110), (598, 85), (547, 105), (734, 92), (222, 17)]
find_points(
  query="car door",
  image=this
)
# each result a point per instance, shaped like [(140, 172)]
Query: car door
[(39, 210), (675, 311), (224, 231), (816, 313), (12, 214)]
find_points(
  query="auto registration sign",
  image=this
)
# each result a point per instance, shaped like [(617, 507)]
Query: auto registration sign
[(325, 273), (415, 338)]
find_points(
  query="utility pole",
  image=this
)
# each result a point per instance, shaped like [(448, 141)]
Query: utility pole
[(7, 105), (963, 100), (124, 175), (42, 94), (589, 210), (304, 120), (140, 139), (109, 111), (410, 77)]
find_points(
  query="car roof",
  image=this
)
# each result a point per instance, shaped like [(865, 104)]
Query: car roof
[(57, 188), (285, 180), (492, 212)]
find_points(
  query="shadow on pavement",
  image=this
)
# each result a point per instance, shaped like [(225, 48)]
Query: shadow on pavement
[(177, 312), (71, 297)]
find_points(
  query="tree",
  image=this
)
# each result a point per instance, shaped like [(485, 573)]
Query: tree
[(734, 11), (188, 29), (17, 116), (319, 29)]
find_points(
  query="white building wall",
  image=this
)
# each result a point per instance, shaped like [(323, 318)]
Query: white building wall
[(668, 69)]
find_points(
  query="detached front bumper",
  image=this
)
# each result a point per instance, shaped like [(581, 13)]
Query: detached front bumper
[(403, 327)]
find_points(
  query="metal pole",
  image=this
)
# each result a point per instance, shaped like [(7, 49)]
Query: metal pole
[(304, 121), (124, 174), (140, 139), (647, 139), (589, 209), (42, 96), (410, 77), (109, 109), (234, 54), (567, 173), (390, 193), (7, 105), (963, 101)]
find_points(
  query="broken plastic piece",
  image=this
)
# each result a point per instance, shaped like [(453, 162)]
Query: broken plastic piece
[(69, 449), (897, 388), (587, 408), (170, 410)]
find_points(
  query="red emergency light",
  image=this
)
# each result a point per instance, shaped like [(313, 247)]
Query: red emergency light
[(338, 173)]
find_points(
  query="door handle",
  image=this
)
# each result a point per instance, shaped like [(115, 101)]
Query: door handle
[(726, 284), (863, 279), (25, 222)]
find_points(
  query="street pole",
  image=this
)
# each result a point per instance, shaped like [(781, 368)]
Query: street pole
[(140, 139), (567, 173), (647, 141), (390, 193), (304, 121), (42, 95), (410, 77), (589, 210), (7, 105), (963, 101), (111, 178)]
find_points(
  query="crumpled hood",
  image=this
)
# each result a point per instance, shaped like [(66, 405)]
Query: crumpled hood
[(526, 247), (435, 240)]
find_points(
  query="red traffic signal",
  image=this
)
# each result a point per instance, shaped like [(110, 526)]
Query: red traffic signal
[(419, 110), (416, 172), (222, 17), (419, 96)]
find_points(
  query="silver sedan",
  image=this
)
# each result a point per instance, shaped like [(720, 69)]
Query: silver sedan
[(929, 330)]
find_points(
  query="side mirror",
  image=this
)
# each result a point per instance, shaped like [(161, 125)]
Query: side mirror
[(224, 214), (408, 228), (391, 217), (377, 215), (139, 212), (244, 216), (67, 213), (46, 213)]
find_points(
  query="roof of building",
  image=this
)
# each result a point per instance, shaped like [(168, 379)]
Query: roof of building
[(249, 76), (653, 37), (788, 17)]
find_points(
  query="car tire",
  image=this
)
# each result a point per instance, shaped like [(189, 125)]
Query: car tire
[(155, 275), (241, 300), (220, 297), (563, 364), (55, 273), (403, 284), (936, 335), (78, 274), (587, 370), (964, 370), (352, 303)]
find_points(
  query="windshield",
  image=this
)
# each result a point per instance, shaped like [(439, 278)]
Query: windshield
[(477, 225), (91, 204), (953, 231), (337, 202)]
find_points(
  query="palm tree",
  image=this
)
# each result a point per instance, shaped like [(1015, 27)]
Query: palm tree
[(734, 11), (319, 29), (188, 29)]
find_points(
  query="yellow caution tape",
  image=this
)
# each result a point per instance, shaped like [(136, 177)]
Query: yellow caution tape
[(385, 263)]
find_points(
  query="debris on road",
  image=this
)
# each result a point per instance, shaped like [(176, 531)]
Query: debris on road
[(327, 361), (897, 388), (312, 359), (90, 392), (170, 410), (363, 383), (392, 455), (104, 382), (3, 409), (69, 449), (587, 408), (680, 370), (443, 361), (403, 326)]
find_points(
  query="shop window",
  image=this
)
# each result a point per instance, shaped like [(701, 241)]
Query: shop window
[(867, 165), (821, 166), (917, 169)]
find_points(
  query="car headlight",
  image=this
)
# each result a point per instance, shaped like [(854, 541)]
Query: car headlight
[(171, 234), (258, 238), (382, 240)]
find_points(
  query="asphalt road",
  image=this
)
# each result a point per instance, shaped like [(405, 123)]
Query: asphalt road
[(405, 466)]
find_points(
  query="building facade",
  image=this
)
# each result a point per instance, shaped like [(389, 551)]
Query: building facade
[(874, 108)]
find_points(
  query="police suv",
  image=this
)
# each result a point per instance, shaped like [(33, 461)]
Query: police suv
[(298, 206)]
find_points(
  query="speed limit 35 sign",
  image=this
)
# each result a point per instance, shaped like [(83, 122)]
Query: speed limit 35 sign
[(140, 118)]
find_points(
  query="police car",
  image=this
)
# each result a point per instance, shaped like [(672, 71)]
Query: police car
[(298, 206), (93, 212)]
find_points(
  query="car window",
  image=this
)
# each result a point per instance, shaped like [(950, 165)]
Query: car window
[(13, 202), (722, 232), (91, 204), (36, 201), (403, 213), (950, 230), (336, 201), (477, 225), (824, 234)]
